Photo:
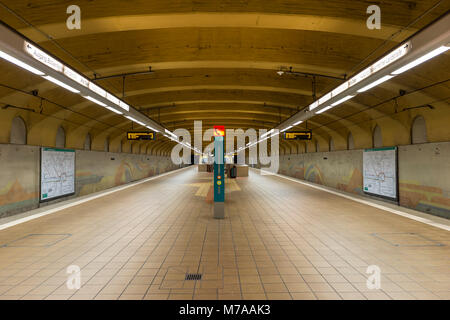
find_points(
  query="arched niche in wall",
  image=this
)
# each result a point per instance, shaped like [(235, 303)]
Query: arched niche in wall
[(18, 131), (106, 146), (87, 142), (350, 141), (317, 146), (60, 138), (419, 131), (377, 137), (120, 146), (331, 145)]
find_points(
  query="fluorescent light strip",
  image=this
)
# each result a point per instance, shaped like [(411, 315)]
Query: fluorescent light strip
[(340, 89), (134, 120), (113, 98), (95, 101), (324, 109), (266, 133), (324, 98), (341, 101), (123, 105), (21, 64), (313, 105), (113, 110), (98, 90), (61, 84), (131, 118), (287, 128), (153, 129), (375, 83), (172, 134), (297, 123), (422, 59)]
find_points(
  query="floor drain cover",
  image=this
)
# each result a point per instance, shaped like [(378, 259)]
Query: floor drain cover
[(193, 276)]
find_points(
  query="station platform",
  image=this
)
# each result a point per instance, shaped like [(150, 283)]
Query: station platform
[(279, 240)]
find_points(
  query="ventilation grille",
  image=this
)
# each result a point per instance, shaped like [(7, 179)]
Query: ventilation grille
[(193, 276)]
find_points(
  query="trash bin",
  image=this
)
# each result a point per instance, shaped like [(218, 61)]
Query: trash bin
[(233, 172)]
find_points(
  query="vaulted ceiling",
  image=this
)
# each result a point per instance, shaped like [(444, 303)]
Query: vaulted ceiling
[(216, 61)]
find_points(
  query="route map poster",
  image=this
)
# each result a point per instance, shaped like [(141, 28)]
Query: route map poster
[(57, 173), (380, 172)]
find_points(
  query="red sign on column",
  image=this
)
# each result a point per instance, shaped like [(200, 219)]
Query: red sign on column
[(219, 131)]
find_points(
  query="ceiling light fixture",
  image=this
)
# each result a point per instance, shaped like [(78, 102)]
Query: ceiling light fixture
[(61, 84), (342, 100), (113, 110), (422, 59), (324, 109), (21, 64), (95, 101), (375, 83)]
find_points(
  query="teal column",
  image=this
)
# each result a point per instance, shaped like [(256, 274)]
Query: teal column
[(219, 178)]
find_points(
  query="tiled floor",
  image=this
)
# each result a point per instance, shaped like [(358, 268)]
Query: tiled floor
[(280, 240)]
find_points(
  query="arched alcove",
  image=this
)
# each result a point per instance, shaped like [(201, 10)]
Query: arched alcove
[(106, 146), (377, 137), (419, 131), (87, 142), (60, 138), (317, 146), (18, 131), (331, 144), (350, 141)]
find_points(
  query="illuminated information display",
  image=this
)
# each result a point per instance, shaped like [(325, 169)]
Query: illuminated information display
[(298, 135), (141, 135)]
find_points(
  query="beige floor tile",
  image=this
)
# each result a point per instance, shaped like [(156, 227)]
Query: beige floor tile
[(265, 248), (107, 296), (424, 295), (328, 295), (400, 295), (303, 296), (254, 296), (343, 287), (320, 287), (352, 296), (252, 288), (157, 296), (298, 287), (376, 296), (313, 278), (275, 288), (180, 296), (278, 296), (271, 279)]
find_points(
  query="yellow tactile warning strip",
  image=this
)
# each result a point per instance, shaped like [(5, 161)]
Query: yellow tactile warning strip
[(279, 240), (203, 188)]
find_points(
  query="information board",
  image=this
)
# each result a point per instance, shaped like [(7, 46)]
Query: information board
[(140, 135), (380, 172), (298, 135), (57, 173)]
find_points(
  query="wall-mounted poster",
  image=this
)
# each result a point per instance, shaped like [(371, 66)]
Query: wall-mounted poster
[(380, 172), (57, 173)]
